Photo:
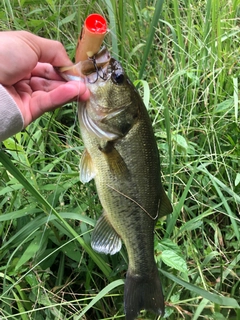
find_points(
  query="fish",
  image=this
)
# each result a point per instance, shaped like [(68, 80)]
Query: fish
[(121, 155)]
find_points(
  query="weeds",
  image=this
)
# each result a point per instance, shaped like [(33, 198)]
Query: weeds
[(186, 54)]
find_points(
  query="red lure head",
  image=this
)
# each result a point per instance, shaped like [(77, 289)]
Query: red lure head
[(96, 23)]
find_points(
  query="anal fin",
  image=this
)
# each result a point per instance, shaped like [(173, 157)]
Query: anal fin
[(104, 238)]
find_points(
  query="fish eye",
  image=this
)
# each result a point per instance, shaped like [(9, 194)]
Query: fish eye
[(118, 77)]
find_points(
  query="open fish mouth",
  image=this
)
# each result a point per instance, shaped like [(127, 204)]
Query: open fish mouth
[(101, 66), (88, 71)]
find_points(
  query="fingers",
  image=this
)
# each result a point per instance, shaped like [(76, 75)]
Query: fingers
[(47, 50), (40, 84), (22, 50), (45, 70), (46, 101), (43, 84)]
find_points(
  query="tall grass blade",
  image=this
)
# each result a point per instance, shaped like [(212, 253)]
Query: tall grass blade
[(214, 298), (113, 28), (236, 99), (179, 33), (234, 219), (4, 158), (171, 222), (156, 16), (99, 296)]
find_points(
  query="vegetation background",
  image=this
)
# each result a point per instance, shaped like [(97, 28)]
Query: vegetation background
[(184, 57)]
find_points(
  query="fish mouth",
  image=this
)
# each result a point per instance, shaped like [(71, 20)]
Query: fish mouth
[(112, 69), (100, 67), (98, 61), (88, 70)]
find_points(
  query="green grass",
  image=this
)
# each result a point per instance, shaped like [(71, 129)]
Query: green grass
[(186, 54)]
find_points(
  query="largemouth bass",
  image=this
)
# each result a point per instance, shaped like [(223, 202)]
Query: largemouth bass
[(122, 157)]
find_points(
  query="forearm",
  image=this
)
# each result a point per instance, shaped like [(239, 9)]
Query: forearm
[(11, 120)]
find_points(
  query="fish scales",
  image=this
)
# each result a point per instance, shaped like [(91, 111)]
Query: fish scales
[(122, 156), (140, 182)]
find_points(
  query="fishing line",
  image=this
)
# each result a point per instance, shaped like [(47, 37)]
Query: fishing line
[(153, 218)]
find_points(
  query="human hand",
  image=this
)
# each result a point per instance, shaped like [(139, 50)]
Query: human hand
[(27, 72)]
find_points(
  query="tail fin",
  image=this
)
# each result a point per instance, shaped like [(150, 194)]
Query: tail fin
[(143, 292)]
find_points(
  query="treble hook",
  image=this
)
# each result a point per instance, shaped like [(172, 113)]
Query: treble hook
[(103, 77)]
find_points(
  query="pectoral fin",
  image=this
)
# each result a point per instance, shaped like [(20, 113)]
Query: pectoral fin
[(87, 169), (104, 238), (115, 161)]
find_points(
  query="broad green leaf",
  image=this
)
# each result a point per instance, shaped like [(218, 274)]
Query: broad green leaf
[(30, 251), (68, 19), (224, 106), (173, 260), (180, 141), (71, 251), (31, 209), (237, 179)]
